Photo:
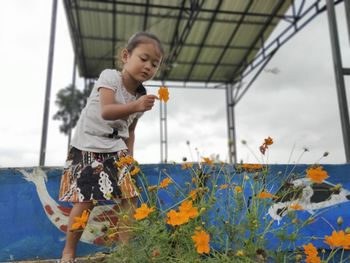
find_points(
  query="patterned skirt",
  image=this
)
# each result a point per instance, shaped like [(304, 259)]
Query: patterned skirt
[(89, 176)]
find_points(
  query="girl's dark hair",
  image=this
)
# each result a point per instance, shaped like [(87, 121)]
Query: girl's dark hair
[(141, 38)]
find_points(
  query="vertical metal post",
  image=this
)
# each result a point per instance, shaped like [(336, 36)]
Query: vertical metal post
[(230, 104), (48, 84), (72, 101), (163, 133), (339, 78)]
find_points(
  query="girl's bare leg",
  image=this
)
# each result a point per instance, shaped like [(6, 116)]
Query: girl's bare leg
[(73, 237), (127, 208)]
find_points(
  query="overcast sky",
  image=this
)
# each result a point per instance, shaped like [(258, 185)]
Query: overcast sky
[(297, 107)]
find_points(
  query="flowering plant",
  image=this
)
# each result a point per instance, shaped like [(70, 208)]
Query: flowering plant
[(214, 212)]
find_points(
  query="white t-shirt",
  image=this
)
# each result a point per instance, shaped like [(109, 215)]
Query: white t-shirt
[(91, 133)]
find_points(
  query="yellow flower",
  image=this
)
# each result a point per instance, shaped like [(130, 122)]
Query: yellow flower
[(296, 206), (238, 189), (186, 207), (163, 94), (135, 171), (143, 211), (177, 218), (80, 221), (165, 183), (240, 253), (201, 242), (223, 186), (317, 175)]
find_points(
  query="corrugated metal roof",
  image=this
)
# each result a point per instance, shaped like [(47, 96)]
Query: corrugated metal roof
[(205, 40)]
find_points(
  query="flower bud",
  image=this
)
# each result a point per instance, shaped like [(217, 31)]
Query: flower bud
[(340, 221)]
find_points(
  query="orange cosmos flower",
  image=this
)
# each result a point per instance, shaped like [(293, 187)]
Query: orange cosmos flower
[(223, 186), (310, 250), (201, 242), (177, 218), (238, 189), (264, 194), (311, 254), (317, 175), (135, 171), (207, 160), (193, 194), (186, 166), (125, 160), (296, 206), (80, 221), (268, 141), (186, 207), (163, 94), (143, 211), (266, 144), (338, 239), (165, 183), (251, 167)]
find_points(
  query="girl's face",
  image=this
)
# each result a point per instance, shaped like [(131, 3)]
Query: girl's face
[(143, 62)]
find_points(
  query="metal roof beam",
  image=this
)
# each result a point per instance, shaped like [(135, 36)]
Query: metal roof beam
[(146, 16), (188, 9), (170, 16), (195, 9), (97, 38), (254, 42), (204, 38), (228, 42)]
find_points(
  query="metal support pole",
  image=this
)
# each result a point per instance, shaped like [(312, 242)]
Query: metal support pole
[(163, 133), (48, 85), (230, 104), (72, 101), (339, 78)]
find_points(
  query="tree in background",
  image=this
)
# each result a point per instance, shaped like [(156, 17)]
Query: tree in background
[(70, 102)]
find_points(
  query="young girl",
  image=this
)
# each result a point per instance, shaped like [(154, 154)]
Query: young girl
[(105, 133)]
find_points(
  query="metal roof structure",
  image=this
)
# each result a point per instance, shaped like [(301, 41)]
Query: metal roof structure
[(208, 43)]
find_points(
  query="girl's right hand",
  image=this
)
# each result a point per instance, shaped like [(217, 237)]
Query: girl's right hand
[(145, 103)]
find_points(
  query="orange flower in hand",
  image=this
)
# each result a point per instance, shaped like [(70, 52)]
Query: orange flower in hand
[(163, 94), (201, 242), (80, 221), (143, 211), (316, 175)]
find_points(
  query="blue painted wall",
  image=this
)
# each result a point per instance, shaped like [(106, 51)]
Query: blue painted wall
[(26, 232)]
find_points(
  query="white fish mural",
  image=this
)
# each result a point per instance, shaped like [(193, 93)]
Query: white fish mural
[(310, 196), (100, 218)]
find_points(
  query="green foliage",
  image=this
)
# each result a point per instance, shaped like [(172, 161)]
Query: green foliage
[(70, 102)]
